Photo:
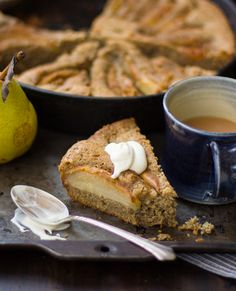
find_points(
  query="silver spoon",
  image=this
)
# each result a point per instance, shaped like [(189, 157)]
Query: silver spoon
[(46, 209)]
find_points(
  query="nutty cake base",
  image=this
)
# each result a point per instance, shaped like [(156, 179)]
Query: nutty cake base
[(146, 200)]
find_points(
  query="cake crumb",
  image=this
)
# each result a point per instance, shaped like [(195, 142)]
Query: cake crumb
[(199, 240), (152, 238), (196, 227), (207, 228), (161, 237), (191, 224), (164, 236)]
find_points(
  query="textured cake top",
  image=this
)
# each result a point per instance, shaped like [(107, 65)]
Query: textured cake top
[(91, 153)]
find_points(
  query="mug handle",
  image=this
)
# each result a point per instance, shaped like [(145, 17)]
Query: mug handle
[(224, 167)]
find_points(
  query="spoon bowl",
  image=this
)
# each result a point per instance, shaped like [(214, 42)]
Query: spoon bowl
[(46, 209), (39, 205)]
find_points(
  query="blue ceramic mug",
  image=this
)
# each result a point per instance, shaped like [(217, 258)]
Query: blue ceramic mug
[(201, 165)]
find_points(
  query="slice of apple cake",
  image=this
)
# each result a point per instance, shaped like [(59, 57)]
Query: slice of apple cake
[(144, 199)]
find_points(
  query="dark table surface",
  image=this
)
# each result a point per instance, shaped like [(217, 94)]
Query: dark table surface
[(21, 270), (34, 270)]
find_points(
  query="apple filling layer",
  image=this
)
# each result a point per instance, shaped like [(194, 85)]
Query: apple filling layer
[(95, 188), (87, 172), (102, 187)]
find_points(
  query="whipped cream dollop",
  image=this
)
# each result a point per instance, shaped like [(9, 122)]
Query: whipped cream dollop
[(128, 155), (24, 223)]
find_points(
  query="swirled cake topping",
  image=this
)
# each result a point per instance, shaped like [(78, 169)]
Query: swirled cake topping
[(128, 155)]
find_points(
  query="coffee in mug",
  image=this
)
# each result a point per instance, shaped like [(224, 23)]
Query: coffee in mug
[(211, 123), (200, 152)]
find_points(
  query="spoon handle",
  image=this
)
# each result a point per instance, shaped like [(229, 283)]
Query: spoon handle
[(159, 251)]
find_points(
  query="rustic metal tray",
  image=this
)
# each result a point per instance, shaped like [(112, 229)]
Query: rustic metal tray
[(39, 168)]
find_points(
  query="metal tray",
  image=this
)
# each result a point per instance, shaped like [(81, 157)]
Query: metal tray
[(39, 168)]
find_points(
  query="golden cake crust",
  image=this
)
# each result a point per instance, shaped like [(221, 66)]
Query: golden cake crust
[(145, 46), (68, 73), (149, 195), (39, 45), (91, 153), (190, 32)]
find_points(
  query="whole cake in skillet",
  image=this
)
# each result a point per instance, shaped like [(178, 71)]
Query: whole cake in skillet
[(191, 32), (135, 48), (114, 69), (87, 172)]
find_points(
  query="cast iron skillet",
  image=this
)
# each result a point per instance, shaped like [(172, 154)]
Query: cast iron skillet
[(84, 115)]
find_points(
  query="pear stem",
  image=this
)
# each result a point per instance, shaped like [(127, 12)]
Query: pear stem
[(7, 74), (18, 57)]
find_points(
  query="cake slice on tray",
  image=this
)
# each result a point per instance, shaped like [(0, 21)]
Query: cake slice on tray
[(142, 198)]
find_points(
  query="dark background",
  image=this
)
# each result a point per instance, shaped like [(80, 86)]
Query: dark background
[(55, 14)]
